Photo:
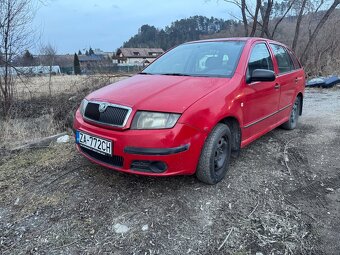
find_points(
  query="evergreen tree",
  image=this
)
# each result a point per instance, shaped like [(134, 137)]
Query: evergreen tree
[(80, 53), (189, 29), (86, 52), (91, 52), (76, 64), (27, 59)]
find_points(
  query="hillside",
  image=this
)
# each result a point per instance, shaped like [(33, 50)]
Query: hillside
[(192, 28)]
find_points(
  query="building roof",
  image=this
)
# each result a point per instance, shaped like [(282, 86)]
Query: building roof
[(140, 52), (59, 60), (86, 58), (64, 60)]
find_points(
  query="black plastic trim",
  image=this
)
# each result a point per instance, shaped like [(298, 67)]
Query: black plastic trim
[(155, 151)]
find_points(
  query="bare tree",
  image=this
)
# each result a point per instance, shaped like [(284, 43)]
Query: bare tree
[(49, 53), (298, 24), (270, 18), (318, 28), (15, 19), (242, 5), (265, 14), (280, 19), (256, 14), (251, 17)]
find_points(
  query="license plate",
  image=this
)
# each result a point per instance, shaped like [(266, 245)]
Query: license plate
[(94, 143)]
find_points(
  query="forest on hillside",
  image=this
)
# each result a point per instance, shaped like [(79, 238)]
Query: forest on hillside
[(309, 27), (189, 29)]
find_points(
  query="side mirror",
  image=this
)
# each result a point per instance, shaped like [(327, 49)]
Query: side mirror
[(262, 75)]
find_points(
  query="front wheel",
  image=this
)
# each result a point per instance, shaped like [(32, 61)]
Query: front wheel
[(294, 116), (215, 156)]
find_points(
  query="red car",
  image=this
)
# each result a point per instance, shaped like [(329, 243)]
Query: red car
[(193, 107)]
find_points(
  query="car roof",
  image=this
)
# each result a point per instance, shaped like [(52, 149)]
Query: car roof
[(245, 39)]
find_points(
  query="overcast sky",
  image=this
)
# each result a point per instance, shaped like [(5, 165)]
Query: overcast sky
[(71, 25)]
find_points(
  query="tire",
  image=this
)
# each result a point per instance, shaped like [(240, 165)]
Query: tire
[(215, 156), (294, 116)]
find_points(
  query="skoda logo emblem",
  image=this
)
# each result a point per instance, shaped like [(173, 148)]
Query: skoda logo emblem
[(102, 107)]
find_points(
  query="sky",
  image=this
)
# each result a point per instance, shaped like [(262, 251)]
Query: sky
[(72, 25)]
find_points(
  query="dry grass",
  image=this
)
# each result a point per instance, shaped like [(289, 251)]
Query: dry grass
[(29, 87), (35, 114), (17, 131)]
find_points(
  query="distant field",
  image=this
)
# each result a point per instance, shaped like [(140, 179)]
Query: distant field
[(39, 86)]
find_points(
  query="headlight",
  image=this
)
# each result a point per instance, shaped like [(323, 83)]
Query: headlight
[(82, 106), (154, 120)]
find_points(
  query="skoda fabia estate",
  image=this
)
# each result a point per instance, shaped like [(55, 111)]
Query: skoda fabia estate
[(192, 108)]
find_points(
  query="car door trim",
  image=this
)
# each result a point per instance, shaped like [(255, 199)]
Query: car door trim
[(266, 117)]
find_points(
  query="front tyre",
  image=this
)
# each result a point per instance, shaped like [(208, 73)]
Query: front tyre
[(215, 156), (294, 116)]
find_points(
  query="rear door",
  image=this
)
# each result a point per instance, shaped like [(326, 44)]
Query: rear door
[(261, 98)]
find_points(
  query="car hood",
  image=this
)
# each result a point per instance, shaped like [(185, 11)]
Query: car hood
[(158, 92)]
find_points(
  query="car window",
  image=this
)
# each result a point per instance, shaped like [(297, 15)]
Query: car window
[(259, 59), (283, 59), (297, 64), (213, 59)]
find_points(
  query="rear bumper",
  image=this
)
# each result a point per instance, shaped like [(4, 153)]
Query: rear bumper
[(178, 149)]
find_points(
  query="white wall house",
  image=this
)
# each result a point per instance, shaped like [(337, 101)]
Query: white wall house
[(136, 56)]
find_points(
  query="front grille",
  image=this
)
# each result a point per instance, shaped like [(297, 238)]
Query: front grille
[(114, 160), (113, 115)]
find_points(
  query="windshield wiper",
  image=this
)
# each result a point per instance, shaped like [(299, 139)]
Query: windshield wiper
[(175, 74), (146, 73)]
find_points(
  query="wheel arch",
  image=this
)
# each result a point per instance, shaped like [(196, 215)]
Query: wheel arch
[(235, 130)]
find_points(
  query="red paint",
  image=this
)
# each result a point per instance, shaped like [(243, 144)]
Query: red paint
[(203, 102)]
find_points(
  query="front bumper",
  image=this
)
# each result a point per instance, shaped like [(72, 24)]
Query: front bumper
[(177, 148)]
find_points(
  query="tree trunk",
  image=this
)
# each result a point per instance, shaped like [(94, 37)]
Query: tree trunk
[(50, 81), (266, 17), (258, 5), (298, 23), (244, 17)]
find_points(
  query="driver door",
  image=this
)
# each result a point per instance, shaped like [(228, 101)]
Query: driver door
[(261, 98)]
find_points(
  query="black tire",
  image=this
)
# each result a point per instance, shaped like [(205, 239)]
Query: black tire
[(215, 156), (294, 116)]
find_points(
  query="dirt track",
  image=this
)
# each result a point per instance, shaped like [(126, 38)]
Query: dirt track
[(281, 196)]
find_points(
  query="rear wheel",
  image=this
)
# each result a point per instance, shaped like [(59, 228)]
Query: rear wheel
[(215, 156), (294, 116)]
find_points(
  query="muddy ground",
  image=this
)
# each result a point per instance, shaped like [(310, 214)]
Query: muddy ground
[(281, 196)]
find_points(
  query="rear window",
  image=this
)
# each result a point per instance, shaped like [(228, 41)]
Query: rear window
[(297, 64), (283, 59)]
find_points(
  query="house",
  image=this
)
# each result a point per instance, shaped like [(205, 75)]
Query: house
[(89, 60), (136, 56), (104, 54)]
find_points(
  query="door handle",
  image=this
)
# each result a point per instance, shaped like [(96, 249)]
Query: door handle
[(297, 79), (277, 86)]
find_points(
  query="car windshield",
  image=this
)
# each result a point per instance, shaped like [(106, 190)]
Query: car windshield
[(210, 59)]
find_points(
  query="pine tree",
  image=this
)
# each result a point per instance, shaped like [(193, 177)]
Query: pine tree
[(80, 53), (76, 64), (27, 58), (91, 52), (86, 52)]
